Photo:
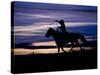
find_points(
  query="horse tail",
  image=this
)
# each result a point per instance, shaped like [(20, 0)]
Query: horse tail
[(82, 38)]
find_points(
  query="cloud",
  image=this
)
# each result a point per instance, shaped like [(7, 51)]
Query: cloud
[(41, 28), (46, 16), (31, 30)]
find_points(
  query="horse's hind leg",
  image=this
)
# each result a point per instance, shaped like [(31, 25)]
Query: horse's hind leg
[(72, 47), (79, 45)]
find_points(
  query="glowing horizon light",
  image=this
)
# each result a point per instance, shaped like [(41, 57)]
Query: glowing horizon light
[(48, 43), (22, 51)]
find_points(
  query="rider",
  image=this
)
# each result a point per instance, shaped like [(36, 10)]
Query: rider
[(62, 28)]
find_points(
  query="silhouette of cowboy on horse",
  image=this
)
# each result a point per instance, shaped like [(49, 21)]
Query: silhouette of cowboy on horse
[(62, 37), (62, 28)]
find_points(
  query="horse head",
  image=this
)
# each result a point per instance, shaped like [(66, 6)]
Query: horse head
[(49, 32)]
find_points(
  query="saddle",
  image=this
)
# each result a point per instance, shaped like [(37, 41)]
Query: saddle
[(62, 35)]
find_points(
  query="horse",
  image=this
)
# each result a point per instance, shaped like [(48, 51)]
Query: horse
[(63, 39)]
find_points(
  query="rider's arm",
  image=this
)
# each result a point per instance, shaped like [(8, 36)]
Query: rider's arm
[(56, 21)]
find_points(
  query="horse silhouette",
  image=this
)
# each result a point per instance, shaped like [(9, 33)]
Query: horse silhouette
[(62, 39)]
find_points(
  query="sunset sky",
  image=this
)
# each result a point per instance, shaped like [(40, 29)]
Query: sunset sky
[(32, 20)]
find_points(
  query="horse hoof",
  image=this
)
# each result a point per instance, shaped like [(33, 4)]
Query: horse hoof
[(83, 50), (64, 51)]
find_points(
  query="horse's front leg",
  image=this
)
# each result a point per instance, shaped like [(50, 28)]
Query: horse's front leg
[(62, 49), (58, 49)]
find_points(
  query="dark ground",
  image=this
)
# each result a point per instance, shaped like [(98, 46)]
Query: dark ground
[(54, 62)]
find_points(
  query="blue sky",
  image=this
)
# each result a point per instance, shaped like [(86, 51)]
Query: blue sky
[(32, 20)]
